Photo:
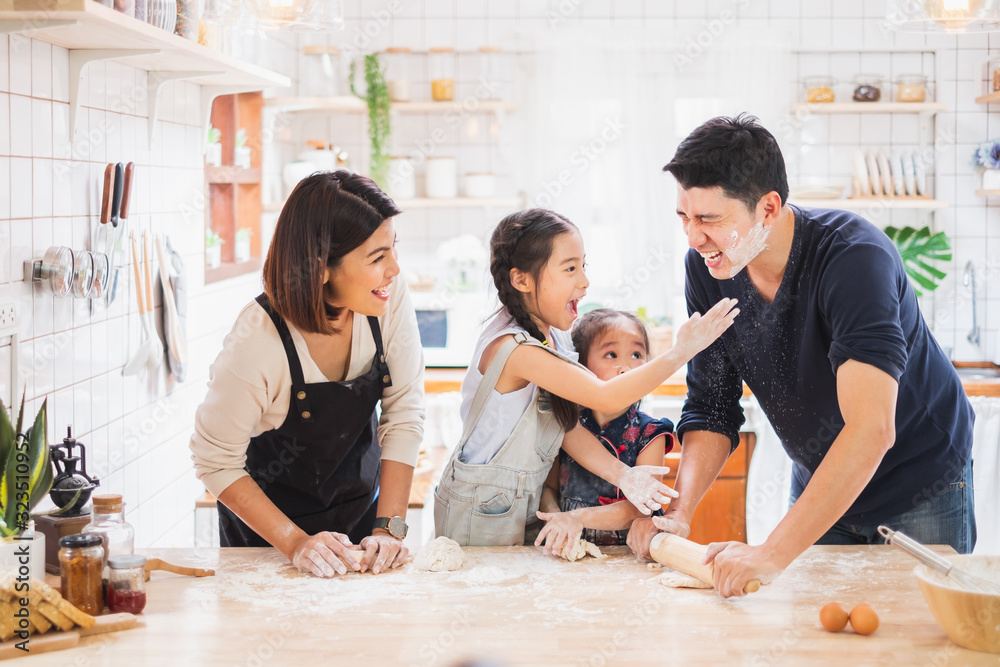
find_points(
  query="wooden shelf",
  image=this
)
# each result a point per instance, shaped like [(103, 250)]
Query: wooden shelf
[(873, 203), (870, 107), (233, 269), (93, 32), (427, 202), (230, 174), (988, 193), (85, 24), (351, 104), (989, 98)]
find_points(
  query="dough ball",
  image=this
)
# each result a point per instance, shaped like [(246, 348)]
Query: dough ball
[(579, 549), (675, 579), (439, 555)]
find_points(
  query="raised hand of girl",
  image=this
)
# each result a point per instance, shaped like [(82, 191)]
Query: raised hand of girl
[(561, 529), (643, 487), (701, 330)]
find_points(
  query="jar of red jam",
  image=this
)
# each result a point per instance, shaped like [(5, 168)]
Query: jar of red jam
[(127, 583)]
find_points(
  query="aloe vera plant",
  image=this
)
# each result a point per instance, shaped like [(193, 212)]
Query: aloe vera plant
[(918, 247), (25, 469)]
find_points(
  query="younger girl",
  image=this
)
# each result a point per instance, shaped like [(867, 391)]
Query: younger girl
[(574, 501), (490, 489)]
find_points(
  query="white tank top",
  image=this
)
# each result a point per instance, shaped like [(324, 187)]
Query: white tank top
[(502, 411)]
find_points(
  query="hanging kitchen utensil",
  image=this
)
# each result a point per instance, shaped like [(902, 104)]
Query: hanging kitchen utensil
[(116, 255), (54, 270), (155, 346), (141, 354), (102, 273), (116, 204), (176, 345), (178, 287), (83, 274)]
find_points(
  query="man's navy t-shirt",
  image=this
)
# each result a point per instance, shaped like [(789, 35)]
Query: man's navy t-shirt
[(844, 296)]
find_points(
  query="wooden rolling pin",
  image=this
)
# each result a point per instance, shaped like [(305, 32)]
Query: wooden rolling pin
[(157, 564), (688, 557)]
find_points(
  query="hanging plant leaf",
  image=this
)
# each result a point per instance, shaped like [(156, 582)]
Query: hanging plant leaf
[(379, 127), (917, 248)]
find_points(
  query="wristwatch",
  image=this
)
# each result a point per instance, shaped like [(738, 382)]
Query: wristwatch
[(396, 526)]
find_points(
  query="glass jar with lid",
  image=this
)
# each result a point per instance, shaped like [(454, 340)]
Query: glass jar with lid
[(397, 73), (107, 520), (494, 72), (442, 69), (320, 74), (127, 584), (81, 569), (867, 88), (819, 89), (911, 88)]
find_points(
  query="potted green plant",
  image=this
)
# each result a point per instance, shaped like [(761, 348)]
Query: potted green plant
[(377, 98), (241, 247), (918, 247), (241, 152), (25, 479), (213, 249), (213, 151)]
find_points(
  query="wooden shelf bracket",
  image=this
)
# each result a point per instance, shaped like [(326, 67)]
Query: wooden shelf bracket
[(78, 60), (154, 80), (208, 95)]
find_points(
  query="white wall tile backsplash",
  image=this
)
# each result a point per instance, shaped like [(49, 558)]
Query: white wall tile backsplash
[(137, 428)]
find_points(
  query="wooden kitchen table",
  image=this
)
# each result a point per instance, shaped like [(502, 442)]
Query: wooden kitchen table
[(518, 607)]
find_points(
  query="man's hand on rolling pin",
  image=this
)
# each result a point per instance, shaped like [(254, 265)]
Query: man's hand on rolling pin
[(737, 563), (324, 554), (642, 531), (644, 489), (382, 552), (560, 529)]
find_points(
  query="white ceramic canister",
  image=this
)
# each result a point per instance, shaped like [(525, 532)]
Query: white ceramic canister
[(402, 178), (479, 184), (295, 172), (442, 178)]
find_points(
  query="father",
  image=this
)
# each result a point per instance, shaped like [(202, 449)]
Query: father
[(833, 345)]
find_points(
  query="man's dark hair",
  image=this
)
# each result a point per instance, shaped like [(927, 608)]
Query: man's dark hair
[(736, 154)]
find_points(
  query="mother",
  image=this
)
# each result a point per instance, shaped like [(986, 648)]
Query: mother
[(288, 438)]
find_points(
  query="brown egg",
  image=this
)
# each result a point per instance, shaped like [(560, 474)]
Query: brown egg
[(864, 620), (833, 617)]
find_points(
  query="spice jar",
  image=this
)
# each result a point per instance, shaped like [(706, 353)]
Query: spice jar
[(494, 72), (442, 67), (188, 15), (127, 585), (81, 565), (397, 73), (819, 89), (911, 88), (320, 75), (867, 88), (107, 521)]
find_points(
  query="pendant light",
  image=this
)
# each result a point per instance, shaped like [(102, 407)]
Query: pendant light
[(284, 15), (947, 16)]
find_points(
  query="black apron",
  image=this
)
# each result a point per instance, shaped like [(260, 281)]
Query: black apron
[(321, 466)]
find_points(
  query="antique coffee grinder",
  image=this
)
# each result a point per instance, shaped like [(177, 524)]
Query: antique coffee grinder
[(69, 481)]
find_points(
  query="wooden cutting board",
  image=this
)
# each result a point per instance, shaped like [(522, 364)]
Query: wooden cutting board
[(56, 641)]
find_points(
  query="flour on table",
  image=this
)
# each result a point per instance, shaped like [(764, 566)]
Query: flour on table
[(579, 549), (675, 579), (439, 555)]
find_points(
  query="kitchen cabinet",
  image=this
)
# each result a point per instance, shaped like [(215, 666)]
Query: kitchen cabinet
[(722, 514)]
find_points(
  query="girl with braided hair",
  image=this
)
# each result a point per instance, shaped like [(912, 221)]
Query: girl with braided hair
[(520, 394)]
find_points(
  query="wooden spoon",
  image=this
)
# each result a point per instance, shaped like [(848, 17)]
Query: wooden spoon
[(157, 564)]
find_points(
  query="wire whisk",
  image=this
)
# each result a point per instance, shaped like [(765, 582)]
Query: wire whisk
[(969, 582)]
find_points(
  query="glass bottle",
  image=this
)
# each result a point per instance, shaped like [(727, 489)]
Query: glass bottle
[(127, 585), (867, 88), (442, 68), (321, 71), (911, 88), (81, 566), (398, 73), (494, 72), (107, 520), (819, 89)]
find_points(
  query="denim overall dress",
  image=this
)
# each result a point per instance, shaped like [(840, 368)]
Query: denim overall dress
[(494, 504)]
